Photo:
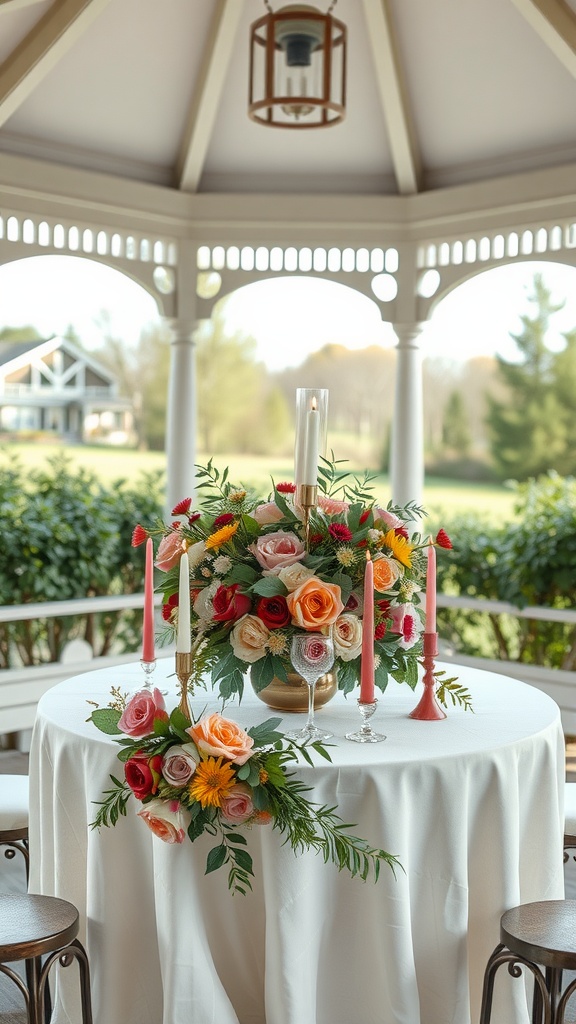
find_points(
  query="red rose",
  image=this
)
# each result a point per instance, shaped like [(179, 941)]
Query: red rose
[(222, 520), (273, 611), (169, 607), (138, 775), (340, 532), (229, 604)]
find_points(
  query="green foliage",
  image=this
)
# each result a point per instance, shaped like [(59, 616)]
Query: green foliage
[(532, 428), (65, 536), (529, 562)]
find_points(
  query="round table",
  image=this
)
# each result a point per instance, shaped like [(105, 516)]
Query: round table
[(472, 806)]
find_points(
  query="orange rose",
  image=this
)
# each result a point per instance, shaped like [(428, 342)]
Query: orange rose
[(220, 737), (315, 604), (386, 572)]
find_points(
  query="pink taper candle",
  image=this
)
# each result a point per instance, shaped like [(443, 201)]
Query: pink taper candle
[(367, 661), (148, 625), (430, 623)]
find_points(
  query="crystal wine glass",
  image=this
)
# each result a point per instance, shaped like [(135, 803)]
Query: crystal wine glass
[(312, 654)]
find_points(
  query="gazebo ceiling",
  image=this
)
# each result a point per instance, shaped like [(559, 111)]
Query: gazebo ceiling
[(440, 93)]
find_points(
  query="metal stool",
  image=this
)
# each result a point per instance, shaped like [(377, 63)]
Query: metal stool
[(536, 935), (14, 816), (33, 927)]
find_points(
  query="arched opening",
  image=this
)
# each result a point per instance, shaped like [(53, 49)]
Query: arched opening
[(471, 326)]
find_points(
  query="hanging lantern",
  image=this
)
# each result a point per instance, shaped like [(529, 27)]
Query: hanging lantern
[(297, 68)]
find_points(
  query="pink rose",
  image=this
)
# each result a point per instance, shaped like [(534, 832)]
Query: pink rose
[(179, 764), (166, 820), (169, 551), (406, 622), (138, 716), (267, 513), (331, 506), (273, 551), (220, 737), (237, 805), (392, 521)]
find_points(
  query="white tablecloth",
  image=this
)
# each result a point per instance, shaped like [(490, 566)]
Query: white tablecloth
[(471, 805)]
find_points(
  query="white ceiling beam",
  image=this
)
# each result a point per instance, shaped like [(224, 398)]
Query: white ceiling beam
[(42, 48), (393, 97), (555, 23), (208, 90)]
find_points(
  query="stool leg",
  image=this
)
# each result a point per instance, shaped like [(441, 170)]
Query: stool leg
[(566, 995), (65, 956), (541, 998), (33, 976)]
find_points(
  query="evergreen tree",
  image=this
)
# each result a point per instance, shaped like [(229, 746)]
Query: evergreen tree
[(456, 426), (527, 430)]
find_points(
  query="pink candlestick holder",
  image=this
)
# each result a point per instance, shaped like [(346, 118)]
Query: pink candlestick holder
[(428, 708)]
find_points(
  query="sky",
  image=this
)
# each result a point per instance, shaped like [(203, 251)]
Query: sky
[(288, 317)]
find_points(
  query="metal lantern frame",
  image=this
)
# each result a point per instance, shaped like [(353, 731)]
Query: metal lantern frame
[(330, 104)]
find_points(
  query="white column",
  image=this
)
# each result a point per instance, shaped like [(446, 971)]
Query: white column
[(407, 444), (181, 414)]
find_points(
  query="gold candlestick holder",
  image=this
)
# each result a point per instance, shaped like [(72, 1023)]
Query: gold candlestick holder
[(184, 671), (307, 499)]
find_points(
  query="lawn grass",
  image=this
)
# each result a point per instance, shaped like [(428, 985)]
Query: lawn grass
[(443, 498)]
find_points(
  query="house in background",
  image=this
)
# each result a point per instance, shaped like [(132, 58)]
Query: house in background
[(54, 386)]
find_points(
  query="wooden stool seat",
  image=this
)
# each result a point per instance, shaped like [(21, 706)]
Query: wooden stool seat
[(14, 816), (535, 936), (33, 927)]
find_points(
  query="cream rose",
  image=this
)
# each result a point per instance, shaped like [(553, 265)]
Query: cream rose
[(347, 635), (219, 737), (315, 604), (166, 819), (292, 576), (248, 638)]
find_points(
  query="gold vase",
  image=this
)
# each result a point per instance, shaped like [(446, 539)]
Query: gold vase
[(293, 695)]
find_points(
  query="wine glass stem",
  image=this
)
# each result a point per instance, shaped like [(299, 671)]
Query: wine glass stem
[(310, 724)]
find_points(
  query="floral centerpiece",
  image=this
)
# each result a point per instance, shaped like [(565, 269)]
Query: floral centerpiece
[(211, 776), (258, 576)]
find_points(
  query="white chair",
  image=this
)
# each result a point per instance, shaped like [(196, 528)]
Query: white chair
[(14, 816)]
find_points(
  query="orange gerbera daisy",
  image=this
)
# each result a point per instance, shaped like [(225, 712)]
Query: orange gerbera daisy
[(211, 781), (215, 540), (400, 547)]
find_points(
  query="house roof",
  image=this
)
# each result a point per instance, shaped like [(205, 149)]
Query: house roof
[(440, 93), (20, 353)]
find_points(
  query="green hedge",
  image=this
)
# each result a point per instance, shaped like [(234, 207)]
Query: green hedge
[(529, 562), (64, 536)]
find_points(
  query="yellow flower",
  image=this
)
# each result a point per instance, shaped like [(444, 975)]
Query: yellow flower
[(212, 780), (216, 540), (399, 546), (263, 776)]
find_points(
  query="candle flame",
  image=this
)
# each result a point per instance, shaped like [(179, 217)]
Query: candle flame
[(368, 556), (313, 405)]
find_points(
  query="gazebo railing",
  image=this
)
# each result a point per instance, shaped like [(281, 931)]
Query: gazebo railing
[(21, 688)]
